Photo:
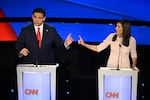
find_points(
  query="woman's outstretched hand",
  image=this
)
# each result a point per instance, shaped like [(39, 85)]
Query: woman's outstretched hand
[(80, 41)]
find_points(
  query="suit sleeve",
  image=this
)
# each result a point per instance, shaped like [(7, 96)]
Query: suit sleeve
[(20, 41)]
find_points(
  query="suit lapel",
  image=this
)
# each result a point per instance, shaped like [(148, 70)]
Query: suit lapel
[(33, 32), (33, 35), (45, 31)]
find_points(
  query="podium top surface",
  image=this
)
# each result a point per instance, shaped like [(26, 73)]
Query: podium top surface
[(33, 65), (108, 68), (115, 71)]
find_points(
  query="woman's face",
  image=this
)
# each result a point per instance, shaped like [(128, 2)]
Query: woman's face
[(119, 29)]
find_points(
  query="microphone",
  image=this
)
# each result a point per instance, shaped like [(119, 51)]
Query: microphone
[(36, 61), (46, 30), (118, 66), (20, 55)]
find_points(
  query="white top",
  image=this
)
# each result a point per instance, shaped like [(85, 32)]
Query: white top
[(119, 54), (41, 29)]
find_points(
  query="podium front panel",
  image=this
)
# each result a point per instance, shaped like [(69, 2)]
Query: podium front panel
[(36, 82), (117, 84)]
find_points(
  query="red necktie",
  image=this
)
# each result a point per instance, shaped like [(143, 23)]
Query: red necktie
[(39, 37)]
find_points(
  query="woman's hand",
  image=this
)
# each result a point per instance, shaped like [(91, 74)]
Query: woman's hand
[(135, 68), (80, 41)]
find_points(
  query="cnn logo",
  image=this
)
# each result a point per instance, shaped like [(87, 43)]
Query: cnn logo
[(112, 94), (31, 91)]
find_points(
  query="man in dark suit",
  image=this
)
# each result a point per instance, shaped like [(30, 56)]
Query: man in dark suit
[(27, 42)]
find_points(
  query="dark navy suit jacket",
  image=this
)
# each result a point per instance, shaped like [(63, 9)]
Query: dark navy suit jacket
[(44, 55)]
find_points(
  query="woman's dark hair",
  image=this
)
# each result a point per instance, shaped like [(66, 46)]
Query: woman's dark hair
[(39, 10), (126, 31)]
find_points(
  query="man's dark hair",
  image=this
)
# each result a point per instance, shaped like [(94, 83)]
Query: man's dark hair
[(39, 10)]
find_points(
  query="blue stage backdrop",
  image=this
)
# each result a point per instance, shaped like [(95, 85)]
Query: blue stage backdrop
[(96, 9)]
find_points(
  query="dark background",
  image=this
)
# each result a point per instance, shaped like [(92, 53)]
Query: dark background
[(77, 71)]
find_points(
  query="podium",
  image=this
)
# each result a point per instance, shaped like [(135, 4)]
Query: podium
[(116, 84), (36, 82)]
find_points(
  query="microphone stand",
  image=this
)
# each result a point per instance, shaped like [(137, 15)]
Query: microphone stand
[(119, 57), (36, 61)]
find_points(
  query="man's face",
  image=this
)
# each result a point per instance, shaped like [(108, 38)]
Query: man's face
[(38, 18)]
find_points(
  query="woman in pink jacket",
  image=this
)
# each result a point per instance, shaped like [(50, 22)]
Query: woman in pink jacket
[(122, 45)]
